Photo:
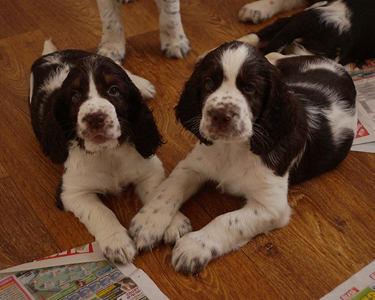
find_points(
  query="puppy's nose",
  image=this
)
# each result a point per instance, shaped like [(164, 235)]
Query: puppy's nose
[(221, 117), (95, 120)]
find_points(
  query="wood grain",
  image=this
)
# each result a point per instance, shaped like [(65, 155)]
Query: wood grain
[(329, 237)]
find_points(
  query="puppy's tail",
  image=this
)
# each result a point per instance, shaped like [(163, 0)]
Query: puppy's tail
[(49, 47)]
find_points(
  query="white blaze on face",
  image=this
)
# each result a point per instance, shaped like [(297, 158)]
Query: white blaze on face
[(229, 98), (96, 139)]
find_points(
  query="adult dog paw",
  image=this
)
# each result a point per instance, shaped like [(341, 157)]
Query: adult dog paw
[(112, 49), (118, 247), (175, 47), (192, 253)]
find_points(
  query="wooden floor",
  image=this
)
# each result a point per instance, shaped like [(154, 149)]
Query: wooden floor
[(331, 233)]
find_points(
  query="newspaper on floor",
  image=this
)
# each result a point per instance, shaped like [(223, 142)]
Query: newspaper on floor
[(361, 286), (363, 76), (78, 274)]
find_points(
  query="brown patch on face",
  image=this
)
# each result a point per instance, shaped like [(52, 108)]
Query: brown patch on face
[(77, 82), (271, 2), (108, 78)]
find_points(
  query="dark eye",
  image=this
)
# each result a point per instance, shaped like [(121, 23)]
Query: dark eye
[(209, 84), (75, 95), (114, 90), (249, 88)]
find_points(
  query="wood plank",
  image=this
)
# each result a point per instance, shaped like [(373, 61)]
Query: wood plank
[(23, 237)]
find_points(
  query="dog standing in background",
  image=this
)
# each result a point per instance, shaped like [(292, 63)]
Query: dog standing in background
[(174, 42)]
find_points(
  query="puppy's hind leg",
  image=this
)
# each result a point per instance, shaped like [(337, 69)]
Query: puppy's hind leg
[(112, 44)]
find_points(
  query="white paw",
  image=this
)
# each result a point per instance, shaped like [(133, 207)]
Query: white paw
[(192, 253), (175, 47), (255, 12), (112, 49), (118, 246), (251, 39), (179, 227), (148, 226), (146, 88)]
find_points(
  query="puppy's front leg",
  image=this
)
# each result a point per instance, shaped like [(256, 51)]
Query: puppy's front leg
[(149, 226), (102, 223), (174, 42), (265, 210)]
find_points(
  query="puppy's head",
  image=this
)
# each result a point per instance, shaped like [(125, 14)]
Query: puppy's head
[(236, 95), (101, 105)]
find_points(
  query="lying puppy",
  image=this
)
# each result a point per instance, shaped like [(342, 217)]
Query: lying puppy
[(260, 128), (174, 42), (342, 30), (89, 115)]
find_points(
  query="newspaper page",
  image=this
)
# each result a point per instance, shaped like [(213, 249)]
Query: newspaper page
[(363, 76), (361, 286), (77, 274)]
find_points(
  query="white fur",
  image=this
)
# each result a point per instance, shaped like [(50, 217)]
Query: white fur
[(336, 14), (262, 10), (107, 172)]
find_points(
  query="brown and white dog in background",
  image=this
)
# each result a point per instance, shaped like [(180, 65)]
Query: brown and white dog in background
[(342, 30)]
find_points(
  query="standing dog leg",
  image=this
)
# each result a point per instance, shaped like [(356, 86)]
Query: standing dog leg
[(113, 37), (174, 42)]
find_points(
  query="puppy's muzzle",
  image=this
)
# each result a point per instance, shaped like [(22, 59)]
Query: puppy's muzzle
[(95, 121), (221, 119)]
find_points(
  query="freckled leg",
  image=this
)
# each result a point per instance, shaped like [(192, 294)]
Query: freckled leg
[(231, 231), (112, 44), (158, 217), (102, 223), (174, 43)]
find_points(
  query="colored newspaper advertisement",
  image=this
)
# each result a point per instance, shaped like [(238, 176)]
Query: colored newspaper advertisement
[(360, 286), (84, 274), (363, 76)]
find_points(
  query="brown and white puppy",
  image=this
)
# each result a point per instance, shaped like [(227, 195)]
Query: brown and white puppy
[(88, 114), (261, 127)]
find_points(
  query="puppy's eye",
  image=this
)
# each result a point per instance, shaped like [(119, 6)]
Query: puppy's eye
[(249, 88), (114, 90), (209, 84), (75, 95)]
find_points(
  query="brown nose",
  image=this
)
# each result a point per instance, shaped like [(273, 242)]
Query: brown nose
[(221, 117), (95, 120)]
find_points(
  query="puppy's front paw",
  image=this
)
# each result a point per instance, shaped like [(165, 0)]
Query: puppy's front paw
[(175, 47), (118, 247), (254, 12), (145, 87), (192, 253), (112, 49), (147, 228), (179, 227)]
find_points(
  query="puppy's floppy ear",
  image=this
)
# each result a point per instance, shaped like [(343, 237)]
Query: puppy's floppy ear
[(279, 115), (57, 131), (145, 133), (189, 108)]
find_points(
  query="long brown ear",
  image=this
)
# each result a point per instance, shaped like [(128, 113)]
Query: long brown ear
[(145, 135), (189, 109), (57, 132), (279, 115)]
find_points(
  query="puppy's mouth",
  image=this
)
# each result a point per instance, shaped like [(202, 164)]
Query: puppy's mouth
[(99, 139)]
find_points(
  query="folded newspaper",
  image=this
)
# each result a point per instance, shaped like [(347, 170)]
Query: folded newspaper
[(363, 76), (77, 274)]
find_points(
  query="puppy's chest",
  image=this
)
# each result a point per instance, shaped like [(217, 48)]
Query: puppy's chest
[(113, 169), (233, 169)]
